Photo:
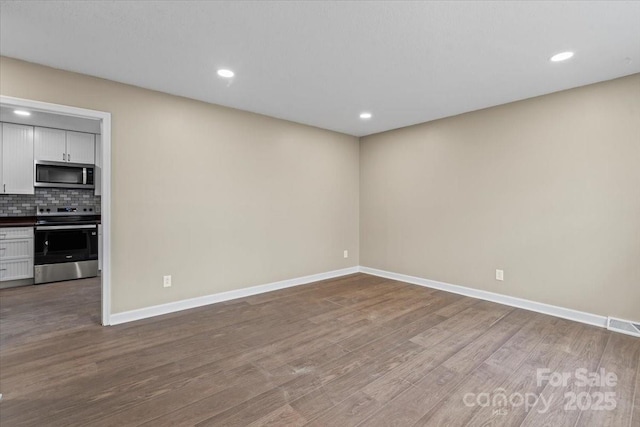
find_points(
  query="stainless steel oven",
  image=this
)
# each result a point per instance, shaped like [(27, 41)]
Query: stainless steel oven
[(66, 244), (63, 175)]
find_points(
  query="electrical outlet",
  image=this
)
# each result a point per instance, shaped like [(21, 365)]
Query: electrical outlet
[(346, 254), (500, 275), (167, 281)]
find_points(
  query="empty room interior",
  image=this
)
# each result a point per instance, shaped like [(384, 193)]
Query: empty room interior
[(329, 213)]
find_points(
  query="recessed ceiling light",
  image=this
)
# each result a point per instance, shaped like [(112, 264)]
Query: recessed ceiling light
[(562, 56), (365, 115), (227, 74), (22, 112)]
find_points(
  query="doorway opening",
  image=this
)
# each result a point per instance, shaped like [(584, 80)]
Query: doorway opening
[(72, 118)]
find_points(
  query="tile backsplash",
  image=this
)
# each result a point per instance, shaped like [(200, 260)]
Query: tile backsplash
[(25, 204)]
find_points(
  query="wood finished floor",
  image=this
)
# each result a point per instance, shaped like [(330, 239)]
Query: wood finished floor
[(357, 350)]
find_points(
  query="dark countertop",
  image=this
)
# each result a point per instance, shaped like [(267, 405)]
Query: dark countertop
[(17, 221)]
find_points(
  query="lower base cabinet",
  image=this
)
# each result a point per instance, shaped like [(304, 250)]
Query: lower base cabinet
[(16, 253)]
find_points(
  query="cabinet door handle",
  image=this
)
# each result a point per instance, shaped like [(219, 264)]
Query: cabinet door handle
[(4, 188), (64, 156), (68, 157)]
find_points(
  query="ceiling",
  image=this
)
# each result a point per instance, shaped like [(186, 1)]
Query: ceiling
[(50, 120), (323, 63)]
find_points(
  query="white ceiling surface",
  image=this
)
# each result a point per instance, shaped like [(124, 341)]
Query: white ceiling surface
[(50, 120), (322, 63)]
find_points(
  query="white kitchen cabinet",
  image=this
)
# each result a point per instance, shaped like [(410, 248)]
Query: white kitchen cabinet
[(80, 147), (50, 144), (16, 253), (56, 145), (12, 249), (97, 174), (14, 233), (16, 147), (16, 269)]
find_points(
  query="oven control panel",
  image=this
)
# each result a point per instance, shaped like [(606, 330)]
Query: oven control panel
[(66, 210)]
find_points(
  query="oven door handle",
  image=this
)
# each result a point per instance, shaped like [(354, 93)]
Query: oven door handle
[(65, 227)]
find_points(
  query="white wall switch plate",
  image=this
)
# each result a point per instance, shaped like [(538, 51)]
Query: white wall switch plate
[(499, 275), (346, 254), (166, 280)]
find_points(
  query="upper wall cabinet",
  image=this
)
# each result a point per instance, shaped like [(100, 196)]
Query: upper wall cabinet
[(64, 146), (16, 165), (81, 147), (50, 144)]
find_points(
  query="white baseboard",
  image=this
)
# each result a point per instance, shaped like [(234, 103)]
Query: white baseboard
[(552, 310), (171, 307), (157, 310)]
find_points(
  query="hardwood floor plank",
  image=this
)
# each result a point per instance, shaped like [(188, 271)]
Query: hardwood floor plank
[(452, 410), (430, 390), (411, 405), (635, 418), (354, 350), (334, 392), (458, 306), (443, 346), (115, 339), (202, 362), (243, 330), (620, 358), (360, 406), (325, 389), (587, 355), (261, 351), (463, 321), (526, 357), (480, 348), (200, 410), (284, 416), (203, 406), (403, 332)]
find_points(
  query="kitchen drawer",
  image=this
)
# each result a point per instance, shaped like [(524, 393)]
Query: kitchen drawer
[(16, 269), (16, 233), (21, 248)]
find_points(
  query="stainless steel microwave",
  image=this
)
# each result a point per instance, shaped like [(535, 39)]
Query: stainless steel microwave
[(63, 175)]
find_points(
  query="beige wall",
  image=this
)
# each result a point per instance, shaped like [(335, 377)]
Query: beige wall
[(547, 189), (219, 198)]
